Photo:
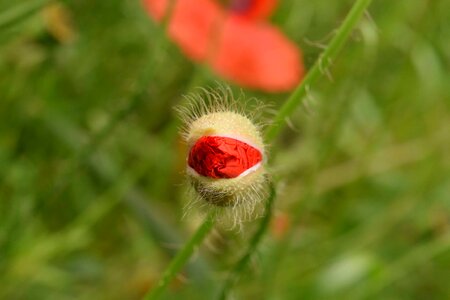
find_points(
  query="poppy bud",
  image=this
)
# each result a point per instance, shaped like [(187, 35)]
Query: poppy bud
[(225, 160)]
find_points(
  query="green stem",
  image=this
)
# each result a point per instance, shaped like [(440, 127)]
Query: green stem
[(240, 266), (322, 64), (181, 258), (325, 60)]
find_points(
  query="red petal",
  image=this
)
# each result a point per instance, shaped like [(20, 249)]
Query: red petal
[(257, 55), (192, 24), (222, 157)]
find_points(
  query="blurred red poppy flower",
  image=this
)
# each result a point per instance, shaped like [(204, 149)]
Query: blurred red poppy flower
[(234, 40)]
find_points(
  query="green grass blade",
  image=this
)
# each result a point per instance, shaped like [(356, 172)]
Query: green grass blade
[(325, 60), (20, 12)]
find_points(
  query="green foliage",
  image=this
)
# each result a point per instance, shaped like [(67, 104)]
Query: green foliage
[(91, 184)]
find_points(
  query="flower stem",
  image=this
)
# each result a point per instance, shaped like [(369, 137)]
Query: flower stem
[(323, 63), (325, 60), (181, 258), (242, 263)]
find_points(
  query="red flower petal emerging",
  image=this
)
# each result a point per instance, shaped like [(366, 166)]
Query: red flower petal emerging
[(222, 157), (253, 9), (192, 24), (257, 55)]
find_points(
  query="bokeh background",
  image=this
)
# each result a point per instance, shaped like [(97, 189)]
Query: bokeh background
[(91, 165)]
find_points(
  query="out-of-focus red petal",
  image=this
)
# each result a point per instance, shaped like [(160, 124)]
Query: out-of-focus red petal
[(253, 9), (257, 55), (192, 24)]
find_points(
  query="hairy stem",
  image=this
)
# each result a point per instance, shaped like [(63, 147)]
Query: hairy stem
[(321, 66), (242, 263), (181, 258)]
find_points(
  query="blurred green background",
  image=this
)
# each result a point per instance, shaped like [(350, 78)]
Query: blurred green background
[(91, 166)]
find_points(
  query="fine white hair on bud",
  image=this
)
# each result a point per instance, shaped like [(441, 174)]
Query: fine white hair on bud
[(225, 163)]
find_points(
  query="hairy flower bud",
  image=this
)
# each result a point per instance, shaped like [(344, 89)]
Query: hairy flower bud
[(225, 160)]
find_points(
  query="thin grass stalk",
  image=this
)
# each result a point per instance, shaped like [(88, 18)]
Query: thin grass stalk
[(320, 68), (19, 12), (138, 96), (242, 263)]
